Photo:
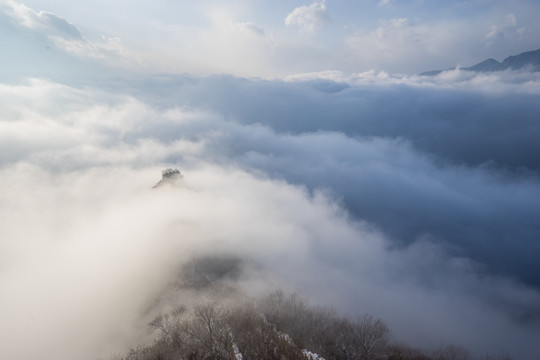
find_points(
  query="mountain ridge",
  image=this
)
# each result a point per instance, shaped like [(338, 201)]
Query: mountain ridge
[(529, 60)]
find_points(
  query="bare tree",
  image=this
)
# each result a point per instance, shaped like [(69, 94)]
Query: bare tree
[(371, 334), (202, 334), (258, 338), (363, 337), (171, 342), (208, 332)]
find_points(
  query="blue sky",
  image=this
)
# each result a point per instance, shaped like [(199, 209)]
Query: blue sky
[(277, 38)]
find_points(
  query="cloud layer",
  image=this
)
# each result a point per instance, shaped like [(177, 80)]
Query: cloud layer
[(346, 212)]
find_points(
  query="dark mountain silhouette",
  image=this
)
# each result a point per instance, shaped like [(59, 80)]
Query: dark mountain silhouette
[(486, 65), (529, 60)]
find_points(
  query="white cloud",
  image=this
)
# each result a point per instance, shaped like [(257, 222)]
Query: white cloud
[(383, 3), (516, 82), (310, 18), (42, 21), (401, 45), (506, 31), (110, 50), (67, 37), (248, 27), (397, 38)]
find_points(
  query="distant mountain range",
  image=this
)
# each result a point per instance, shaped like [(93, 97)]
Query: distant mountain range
[(529, 60)]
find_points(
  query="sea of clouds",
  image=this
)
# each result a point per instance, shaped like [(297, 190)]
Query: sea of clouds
[(413, 199)]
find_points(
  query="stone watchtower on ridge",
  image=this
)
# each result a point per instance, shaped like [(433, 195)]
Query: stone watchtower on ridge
[(169, 176)]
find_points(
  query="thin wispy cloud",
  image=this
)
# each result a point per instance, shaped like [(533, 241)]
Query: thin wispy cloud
[(385, 3), (249, 27)]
